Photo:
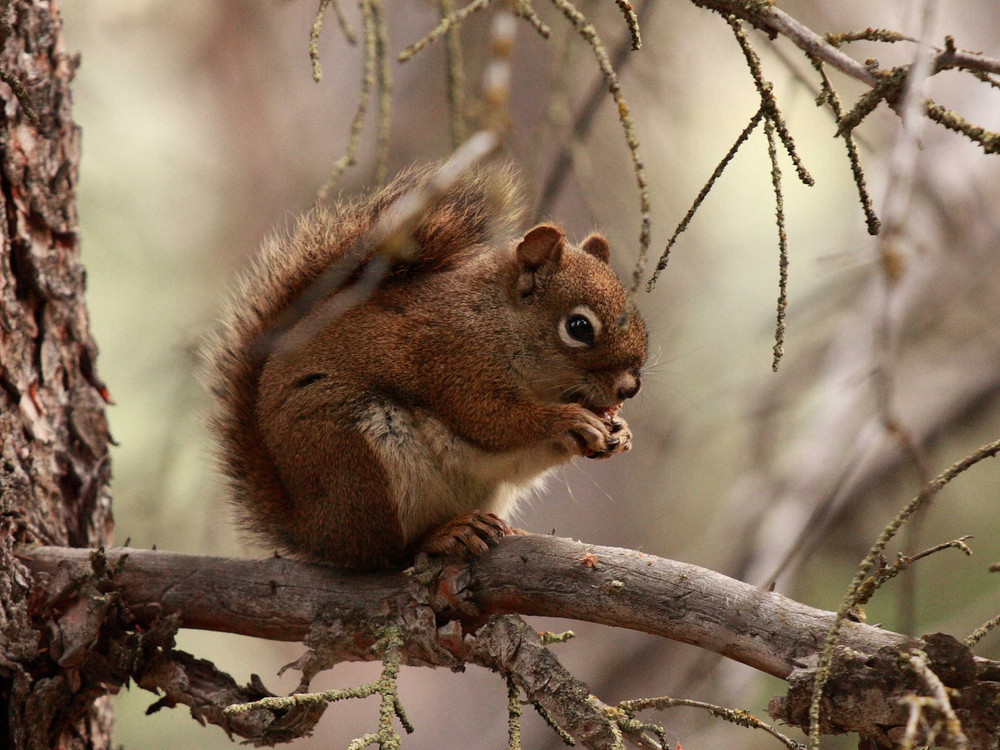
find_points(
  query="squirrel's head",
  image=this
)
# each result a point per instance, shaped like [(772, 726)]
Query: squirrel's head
[(591, 342)]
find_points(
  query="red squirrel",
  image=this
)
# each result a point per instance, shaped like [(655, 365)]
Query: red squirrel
[(417, 419)]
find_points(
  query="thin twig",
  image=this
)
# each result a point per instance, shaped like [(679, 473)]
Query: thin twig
[(456, 76), (988, 139), (547, 637), (639, 733), (829, 96), (732, 715), (513, 715), (985, 78), (443, 25), (586, 30), (384, 79), (632, 21), (889, 83), (916, 705), (779, 212), (702, 194), (979, 633), (777, 21), (868, 35), (317, 28), (314, 32), (523, 9), (368, 82), (871, 584), (766, 90), (390, 644), (345, 27)]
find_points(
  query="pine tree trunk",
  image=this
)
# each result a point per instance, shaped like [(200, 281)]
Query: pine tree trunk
[(54, 466)]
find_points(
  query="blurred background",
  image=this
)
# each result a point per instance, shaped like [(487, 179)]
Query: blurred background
[(203, 132)]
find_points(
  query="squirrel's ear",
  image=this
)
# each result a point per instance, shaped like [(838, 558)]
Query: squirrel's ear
[(541, 246), (597, 246)]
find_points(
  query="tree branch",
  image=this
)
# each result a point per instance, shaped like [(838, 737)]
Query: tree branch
[(281, 599), (775, 21), (338, 615)]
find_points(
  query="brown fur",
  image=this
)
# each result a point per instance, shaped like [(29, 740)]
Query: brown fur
[(442, 393)]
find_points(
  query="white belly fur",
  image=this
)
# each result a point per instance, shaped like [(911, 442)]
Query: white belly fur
[(435, 475)]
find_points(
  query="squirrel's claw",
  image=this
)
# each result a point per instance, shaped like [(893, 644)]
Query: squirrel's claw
[(468, 536), (620, 443), (600, 438)]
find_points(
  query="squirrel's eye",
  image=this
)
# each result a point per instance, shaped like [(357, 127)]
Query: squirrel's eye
[(579, 328)]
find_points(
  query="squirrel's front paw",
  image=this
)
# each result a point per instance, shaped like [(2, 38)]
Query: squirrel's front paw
[(620, 431), (595, 437), (470, 535)]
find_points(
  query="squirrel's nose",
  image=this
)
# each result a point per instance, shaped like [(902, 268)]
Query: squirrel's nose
[(628, 386)]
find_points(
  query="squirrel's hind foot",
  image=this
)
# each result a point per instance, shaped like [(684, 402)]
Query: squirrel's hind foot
[(467, 536)]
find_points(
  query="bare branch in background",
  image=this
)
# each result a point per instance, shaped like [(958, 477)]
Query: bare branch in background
[(943, 372), (896, 215), (584, 120), (323, 301)]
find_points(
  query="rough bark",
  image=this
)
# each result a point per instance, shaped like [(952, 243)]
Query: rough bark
[(54, 463)]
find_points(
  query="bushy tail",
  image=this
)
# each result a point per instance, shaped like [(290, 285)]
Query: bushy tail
[(481, 207)]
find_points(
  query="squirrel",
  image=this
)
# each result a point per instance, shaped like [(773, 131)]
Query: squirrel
[(416, 420)]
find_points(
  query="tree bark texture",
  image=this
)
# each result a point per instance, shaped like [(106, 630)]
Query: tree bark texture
[(54, 466)]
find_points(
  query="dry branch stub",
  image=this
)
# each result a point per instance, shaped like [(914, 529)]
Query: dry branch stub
[(867, 693)]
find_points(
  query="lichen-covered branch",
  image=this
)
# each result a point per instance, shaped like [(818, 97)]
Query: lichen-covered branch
[(388, 645), (829, 96), (779, 213), (734, 716), (510, 646)]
